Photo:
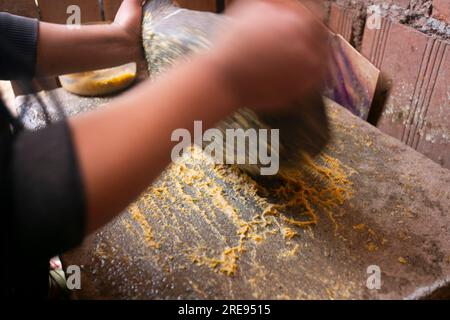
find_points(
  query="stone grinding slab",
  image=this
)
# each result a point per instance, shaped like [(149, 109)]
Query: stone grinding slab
[(204, 231)]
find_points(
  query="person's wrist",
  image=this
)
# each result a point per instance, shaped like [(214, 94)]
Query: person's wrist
[(130, 43), (221, 74)]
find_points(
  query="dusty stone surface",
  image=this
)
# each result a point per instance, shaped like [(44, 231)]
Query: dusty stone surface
[(397, 219), (32, 113)]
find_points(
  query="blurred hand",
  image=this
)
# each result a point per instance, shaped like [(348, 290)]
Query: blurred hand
[(128, 22), (272, 54)]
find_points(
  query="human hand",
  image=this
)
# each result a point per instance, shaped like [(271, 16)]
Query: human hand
[(272, 54), (128, 23)]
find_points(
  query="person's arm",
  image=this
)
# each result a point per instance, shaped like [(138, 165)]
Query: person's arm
[(45, 191), (122, 148), (31, 48), (270, 56), (48, 214), (63, 50), (18, 42)]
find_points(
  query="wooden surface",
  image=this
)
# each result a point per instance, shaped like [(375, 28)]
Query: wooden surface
[(110, 8), (26, 8), (200, 5), (56, 10), (38, 85), (171, 243)]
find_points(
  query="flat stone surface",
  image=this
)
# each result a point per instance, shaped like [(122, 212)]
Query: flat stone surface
[(206, 231), (32, 115)]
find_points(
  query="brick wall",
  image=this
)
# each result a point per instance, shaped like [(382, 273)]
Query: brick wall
[(411, 47)]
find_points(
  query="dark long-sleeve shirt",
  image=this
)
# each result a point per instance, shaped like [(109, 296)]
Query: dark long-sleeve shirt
[(41, 193)]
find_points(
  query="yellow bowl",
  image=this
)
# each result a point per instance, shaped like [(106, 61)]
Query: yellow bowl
[(100, 82)]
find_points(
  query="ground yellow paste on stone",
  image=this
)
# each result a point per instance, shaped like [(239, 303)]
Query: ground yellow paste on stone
[(287, 207)]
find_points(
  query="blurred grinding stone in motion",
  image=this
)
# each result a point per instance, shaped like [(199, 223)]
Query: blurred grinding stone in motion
[(171, 33)]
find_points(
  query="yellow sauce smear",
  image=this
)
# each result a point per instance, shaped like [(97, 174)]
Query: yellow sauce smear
[(296, 202), (115, 82), (296, 192), (331, 189), (87, 85), (288, 233), (139, 217)]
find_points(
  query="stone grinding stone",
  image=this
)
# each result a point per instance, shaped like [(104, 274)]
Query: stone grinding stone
[(400, 197)]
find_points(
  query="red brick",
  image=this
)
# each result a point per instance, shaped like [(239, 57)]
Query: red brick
[(441, 10), (341, 21), (432, 138), (401, 3), (416, 69)]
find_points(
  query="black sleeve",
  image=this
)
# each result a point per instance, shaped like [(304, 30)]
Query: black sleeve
[(18, 47), (47, 191)]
